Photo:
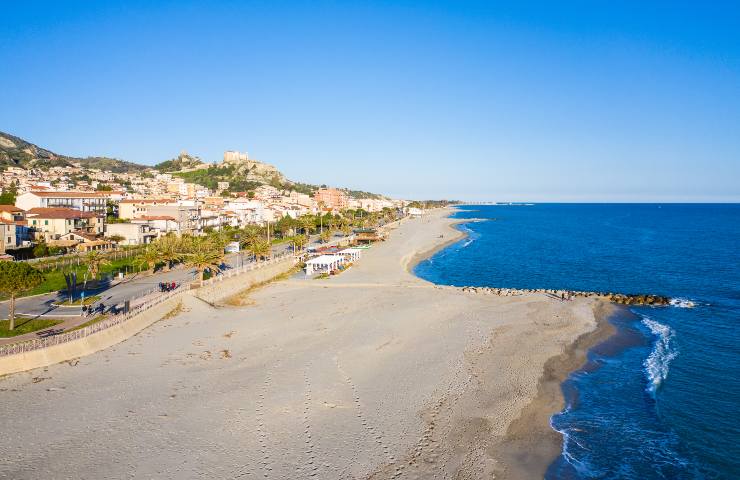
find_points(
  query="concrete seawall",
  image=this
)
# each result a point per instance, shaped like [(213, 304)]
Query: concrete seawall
[(223, 288), (211, 293)]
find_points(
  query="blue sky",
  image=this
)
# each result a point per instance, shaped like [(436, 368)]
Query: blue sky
[(582, 101)]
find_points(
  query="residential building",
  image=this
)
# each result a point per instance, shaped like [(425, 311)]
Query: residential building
[(11, 213), (187, 218), (82, 201), (331, 198), (8, 236), (52, 223), (81, 242), (132, 233), (139, 207)]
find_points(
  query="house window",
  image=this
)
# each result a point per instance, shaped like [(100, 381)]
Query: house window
[(46, 222)]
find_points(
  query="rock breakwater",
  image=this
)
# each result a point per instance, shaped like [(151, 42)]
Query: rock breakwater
[(620, 298)]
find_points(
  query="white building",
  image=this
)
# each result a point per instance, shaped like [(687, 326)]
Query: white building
[(132, 233), (82, 201)]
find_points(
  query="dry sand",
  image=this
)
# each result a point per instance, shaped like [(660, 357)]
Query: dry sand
[(371, 374)]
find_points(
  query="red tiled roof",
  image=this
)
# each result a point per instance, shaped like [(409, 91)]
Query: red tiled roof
[(67, 194), (148, 200), (54, 213), (10, 208), (155, 217)]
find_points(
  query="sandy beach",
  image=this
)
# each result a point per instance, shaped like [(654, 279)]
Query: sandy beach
[(374, 373)]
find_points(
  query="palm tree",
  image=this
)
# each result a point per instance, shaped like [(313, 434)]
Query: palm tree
[(204, 256), (300, 241), (346, 228), (249, 235), (95, 260), (150, 257), (307, 222), (261, 248), (172, 249), (325, 235)]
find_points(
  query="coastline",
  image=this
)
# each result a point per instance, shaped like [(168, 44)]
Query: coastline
[(374, 373), (531, 444), (457, 235)]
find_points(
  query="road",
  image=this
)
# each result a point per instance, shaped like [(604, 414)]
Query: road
[(132, 287)]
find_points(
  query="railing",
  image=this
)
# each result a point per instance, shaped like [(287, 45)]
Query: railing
[(232, 272), (50, 341)]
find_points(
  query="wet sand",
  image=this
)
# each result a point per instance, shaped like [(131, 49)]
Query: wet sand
[(371, 374)]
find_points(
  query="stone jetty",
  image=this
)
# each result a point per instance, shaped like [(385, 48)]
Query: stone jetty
[(620, 298)]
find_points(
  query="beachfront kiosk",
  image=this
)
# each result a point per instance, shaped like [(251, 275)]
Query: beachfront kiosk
[(323, 264), (330, 262), (352, 254)]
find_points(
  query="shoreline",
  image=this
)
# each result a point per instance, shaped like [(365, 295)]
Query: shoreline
[(531, 445), (419, 257), (405, 379)]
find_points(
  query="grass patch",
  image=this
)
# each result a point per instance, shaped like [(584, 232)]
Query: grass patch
[(54, 281), (78, 303), (26, 325), (174, 312)]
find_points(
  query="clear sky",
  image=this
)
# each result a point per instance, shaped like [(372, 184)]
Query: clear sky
[(556, 101)]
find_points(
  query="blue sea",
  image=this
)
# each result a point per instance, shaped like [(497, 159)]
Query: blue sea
[(661, 398)]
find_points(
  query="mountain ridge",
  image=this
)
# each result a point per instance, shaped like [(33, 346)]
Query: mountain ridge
[(242, 175)]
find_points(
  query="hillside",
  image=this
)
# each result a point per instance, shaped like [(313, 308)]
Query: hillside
[(243, 174), (16, 152)]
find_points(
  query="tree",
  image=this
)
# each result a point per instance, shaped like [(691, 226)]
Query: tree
[(325, 235), (94, 261), (150, 257), (40, 250), (117, 238), (249, 235), (307, 222), (204, 256), (261, 248), (9, 194), (300, 241), (346, 228), (284, 226), (16, 278), (172, 249)]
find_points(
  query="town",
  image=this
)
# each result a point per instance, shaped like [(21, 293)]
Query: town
[(81, 240), (68, 209)]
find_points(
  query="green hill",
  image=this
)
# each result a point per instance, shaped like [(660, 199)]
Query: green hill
[(16, 152)]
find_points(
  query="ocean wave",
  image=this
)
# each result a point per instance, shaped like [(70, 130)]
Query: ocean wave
[(682, 303), (658, 362)]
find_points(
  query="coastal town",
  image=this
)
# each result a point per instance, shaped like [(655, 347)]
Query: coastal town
[(75, 209), (84, 243)]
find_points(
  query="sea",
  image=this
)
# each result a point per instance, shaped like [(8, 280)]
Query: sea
[(660, 399)]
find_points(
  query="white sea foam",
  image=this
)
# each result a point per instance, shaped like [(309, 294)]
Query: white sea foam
[(682, 303), (658, 363)]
